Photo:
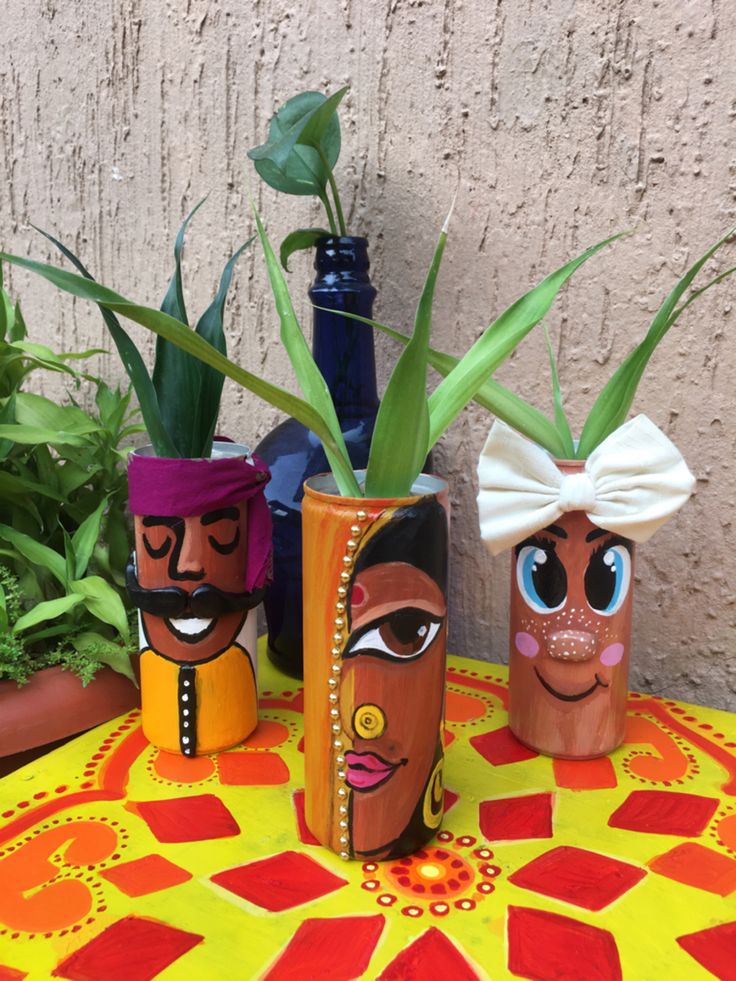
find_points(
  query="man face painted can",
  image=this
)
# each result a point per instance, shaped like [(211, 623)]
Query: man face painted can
[(202, 534), (375, 580), (570, 637)]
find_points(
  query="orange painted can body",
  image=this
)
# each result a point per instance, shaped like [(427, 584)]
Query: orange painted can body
[(375, 625)]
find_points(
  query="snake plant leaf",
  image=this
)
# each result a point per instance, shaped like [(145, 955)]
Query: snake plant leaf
[(561, 423), (303, 135), (399, 444), (132, 362), (496, 343), (492, 395), (302, 238), (179, 334), (210, 327), (311, 381), (177, 377), (612, 405)]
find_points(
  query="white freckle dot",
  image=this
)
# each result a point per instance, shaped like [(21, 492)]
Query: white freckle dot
[(186, 725), (186, 684), (185, 698), (185, 739), (186, 712)]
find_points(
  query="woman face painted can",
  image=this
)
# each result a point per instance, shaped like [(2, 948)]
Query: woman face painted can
[(570, 637), (375, 579), (202, 533)]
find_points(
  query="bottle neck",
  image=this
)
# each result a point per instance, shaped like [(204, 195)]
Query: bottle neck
[(343, 348)]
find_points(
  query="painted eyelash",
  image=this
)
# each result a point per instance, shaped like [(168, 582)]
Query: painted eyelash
[(536, 541)]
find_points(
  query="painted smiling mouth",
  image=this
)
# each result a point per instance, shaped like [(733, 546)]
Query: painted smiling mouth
[(366, 771), (190, 630), (571, 698)]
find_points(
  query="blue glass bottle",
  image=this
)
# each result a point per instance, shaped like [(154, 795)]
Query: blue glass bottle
[(343, 349)]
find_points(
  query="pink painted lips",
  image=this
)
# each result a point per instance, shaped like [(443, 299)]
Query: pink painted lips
[(366, 771)]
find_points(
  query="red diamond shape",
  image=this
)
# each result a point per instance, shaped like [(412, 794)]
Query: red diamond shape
[(714, 948), (305, 835), (198, 818), (431, 957), (336, 949), (280, 882), (145, 875), (664, 812), (501, 747), (133, 949), (11, 974), (543, 945), (517, 818), (577, 876)]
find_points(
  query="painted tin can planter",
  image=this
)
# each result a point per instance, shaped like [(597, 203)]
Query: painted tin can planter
[(375, 625), (202, 548), (570, 636)]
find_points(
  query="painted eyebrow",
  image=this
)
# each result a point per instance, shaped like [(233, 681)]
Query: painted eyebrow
[(556, 530), (152, 520), (211, 517), (596, 533)]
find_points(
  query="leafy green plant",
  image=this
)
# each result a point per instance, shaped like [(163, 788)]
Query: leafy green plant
[(63, 533), (180, 401), (409, 423), (299, 157), (615, 400)]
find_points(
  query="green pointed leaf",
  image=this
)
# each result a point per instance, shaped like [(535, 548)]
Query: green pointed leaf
[(37, 434), (103, 602), (399, 444), (302, 238), (106, 652), (289, 160), (612, 405), (496, 343), (132, 362), (492, 395), (37, 410), (210, 327), (48, 610), (85, 538), (7, 311), (177, 377), (18, 330), (176, 332), (310, 379), (561, 423)]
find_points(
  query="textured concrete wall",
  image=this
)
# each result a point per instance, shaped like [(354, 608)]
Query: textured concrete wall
[(561, 120)]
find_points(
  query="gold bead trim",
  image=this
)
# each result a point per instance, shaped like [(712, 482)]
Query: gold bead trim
[(339, 638)]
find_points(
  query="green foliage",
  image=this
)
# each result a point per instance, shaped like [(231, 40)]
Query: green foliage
[(299, 157), (63, 534), (181, 401)]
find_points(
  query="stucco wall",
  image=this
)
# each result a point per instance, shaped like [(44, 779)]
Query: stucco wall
[(562, 121)]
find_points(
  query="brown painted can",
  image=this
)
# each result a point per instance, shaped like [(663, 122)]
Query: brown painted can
[(570, 637), (375, 624)]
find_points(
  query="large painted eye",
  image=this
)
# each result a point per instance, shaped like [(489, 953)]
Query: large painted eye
[(541, 578), (403, 635), (607, 578)]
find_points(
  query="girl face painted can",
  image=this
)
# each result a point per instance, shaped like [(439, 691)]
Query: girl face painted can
[(375, 580), (570, 637)]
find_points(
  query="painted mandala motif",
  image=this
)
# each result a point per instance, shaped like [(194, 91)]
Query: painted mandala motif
[(119, 861)]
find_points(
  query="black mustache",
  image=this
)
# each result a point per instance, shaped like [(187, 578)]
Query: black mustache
[(205, 601)]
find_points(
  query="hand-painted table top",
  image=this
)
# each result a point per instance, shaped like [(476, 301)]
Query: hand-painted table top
[(119, 862)]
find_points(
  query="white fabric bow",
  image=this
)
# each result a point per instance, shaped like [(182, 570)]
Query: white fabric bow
[(631, 484)]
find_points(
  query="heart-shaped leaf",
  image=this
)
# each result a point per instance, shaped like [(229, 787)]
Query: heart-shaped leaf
[(302, 238)]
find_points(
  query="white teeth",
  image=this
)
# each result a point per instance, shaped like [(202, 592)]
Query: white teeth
[(191, 625)]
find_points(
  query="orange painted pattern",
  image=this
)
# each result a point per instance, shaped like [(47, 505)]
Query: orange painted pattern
[(120, 861)]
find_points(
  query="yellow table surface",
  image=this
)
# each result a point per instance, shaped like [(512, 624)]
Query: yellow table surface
[(119, 862)]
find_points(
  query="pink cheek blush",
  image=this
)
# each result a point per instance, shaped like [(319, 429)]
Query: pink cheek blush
[(526, 645), (612, 655)]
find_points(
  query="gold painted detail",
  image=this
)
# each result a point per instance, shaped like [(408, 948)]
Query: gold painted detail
[(369, 721)]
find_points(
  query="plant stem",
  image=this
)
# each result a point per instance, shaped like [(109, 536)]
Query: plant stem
[(330, 216), (335, 194)]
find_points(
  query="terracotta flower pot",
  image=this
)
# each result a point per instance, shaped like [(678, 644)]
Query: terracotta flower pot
[(570, 636), (202, 537), (375, 579), (54, 704)]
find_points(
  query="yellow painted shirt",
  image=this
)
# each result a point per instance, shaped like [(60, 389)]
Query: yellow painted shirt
[(198, 708)]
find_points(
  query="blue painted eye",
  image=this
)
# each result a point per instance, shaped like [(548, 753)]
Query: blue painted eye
[(607, 579), (541, 578)]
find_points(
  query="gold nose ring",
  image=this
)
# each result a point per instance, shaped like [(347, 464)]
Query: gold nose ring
[(369, 722)]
